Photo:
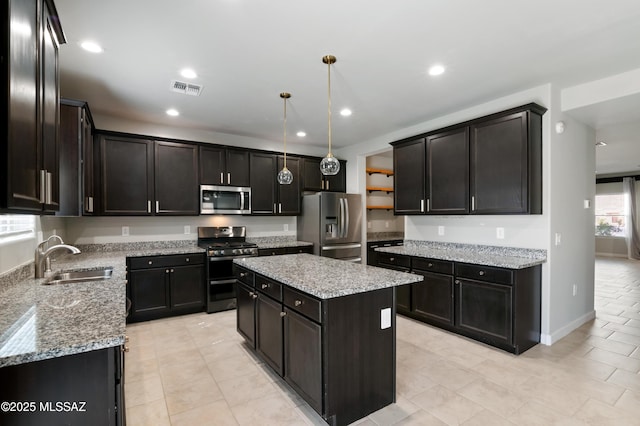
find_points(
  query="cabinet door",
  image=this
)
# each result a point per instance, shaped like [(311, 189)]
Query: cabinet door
[(212, 167), (246, 313), (448, 172), (269, 331), (176, 179), (432, 299), (126, 176), (303, 357), (263, 183), (149, 293), (499, 174), (49, 110), (336, 183), (312, 178), (484, 310), (289, 201), (23, 150), (187, 288), (409, 178), (237, 165)]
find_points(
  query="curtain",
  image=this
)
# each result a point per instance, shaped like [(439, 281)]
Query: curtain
[(633, 239)]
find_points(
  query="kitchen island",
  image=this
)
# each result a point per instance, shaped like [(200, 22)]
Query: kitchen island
[(326, 326)]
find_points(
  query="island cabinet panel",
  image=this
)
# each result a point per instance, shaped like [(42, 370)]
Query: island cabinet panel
[(93, 381), (335, 353)]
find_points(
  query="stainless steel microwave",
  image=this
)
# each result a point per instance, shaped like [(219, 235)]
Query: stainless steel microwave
[(225, 200)]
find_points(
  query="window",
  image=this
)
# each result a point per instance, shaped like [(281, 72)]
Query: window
[(610, 215), (14, 227)]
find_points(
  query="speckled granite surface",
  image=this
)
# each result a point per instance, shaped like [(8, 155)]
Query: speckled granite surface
[(278, 242), (384, 236), (46, 321), (503, 257), (145, 248), (324, 277)]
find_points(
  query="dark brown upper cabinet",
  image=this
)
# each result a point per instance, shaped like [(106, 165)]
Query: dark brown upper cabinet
[(490, 165), (314, 180), (145, 177), (268, 197), (30, 93), (224, 166)]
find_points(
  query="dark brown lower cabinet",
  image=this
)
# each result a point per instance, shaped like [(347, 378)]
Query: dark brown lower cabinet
[(303, 359), (332, 352), (161, 286), (80, 389), (497, 306)]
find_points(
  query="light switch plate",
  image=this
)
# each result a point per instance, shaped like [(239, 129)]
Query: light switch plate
[(500, 233), (440, 230), (187, 230), (587, 204), (385, 318)]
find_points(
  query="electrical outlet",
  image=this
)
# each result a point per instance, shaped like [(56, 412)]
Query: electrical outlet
[(187, 230), (55, 231), (286, 227), (558, 238), (500, 233), (125, 231), (575, 289), (440, 230), (587, 204), (368, 224), (386, 223)]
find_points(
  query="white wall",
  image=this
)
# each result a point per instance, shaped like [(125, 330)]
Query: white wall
[(568, 178), (100, 230)]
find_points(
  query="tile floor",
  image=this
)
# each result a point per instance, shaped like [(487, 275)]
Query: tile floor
[(194, 370)]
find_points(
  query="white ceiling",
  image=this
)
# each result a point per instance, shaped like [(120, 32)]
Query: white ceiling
[(247, 51)]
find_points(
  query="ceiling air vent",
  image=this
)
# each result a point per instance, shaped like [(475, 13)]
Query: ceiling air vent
[(186, 88)]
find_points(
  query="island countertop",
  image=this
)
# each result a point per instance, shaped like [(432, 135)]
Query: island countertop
[(323, 277)]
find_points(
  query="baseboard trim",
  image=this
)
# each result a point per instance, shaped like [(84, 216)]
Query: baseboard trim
[(611, 255), (550, 339)]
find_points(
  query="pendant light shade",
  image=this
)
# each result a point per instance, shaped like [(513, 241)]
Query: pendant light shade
[(285, 177), (329, 165)]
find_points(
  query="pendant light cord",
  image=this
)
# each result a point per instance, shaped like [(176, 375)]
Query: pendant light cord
[(285, 132), (329, 103)]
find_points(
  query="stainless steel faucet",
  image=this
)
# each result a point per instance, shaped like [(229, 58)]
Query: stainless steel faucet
[(42, 260)]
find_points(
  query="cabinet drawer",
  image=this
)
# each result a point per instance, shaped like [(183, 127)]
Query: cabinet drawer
[(147, 262), (432, 265), (303, 303), (391, 259), (300, 249), (484, 273), (269, 287), (244, 275), (272, 251)]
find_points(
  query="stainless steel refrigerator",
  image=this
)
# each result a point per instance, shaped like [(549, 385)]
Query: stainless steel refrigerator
[(332, 221)]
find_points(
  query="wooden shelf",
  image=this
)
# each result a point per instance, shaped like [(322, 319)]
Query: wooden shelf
[(379, 207), (379, 188), (372, 170)]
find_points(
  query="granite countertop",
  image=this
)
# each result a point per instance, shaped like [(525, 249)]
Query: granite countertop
[(277, 242), (324, 277), (503, 257), (47, 321)]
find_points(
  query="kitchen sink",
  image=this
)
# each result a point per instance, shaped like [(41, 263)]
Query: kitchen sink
[(80, 276)]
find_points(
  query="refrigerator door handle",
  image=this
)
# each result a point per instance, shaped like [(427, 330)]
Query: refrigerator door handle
[(342, 247), (346, 215), (341, 219)]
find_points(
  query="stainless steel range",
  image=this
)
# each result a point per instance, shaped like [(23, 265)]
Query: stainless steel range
[(223, 244)]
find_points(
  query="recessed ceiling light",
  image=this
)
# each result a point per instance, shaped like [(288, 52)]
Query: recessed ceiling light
[(301, 134), (601, 143), (91, 46), (345, 112), (436, 70), (173, 112), (188, 73)]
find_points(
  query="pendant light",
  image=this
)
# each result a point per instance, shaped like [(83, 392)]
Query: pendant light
[(285, 177), (329, 165)]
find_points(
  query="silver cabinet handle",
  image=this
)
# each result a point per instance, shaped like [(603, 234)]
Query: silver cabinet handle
[(221, 177), (229, 178), (457, 281), (49, 195), (274, 207), (43, 186), (172, 270), (297, 302), (254, 296), (243, 274), (428, 205), (327, 185), (148, 206), (187, 259), (422, 206), (264, 286), (157, 206), (322, 183), (481, 273), (391, 259), (430, 265), (473, 203), (150, 262), (166, 271), (283, 314), (279, 207), (90, 204)]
